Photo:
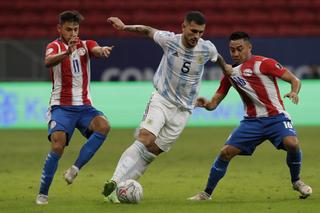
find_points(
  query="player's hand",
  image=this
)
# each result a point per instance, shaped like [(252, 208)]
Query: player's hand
[(72, 44), (201, 102), (293, 97), (116, 23), (105, 51)]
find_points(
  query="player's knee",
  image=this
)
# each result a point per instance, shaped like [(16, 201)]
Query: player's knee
[(104, 128), (101, 125), (148, 139), (291, 144), (57, 146), (227, 153), (58, 142)]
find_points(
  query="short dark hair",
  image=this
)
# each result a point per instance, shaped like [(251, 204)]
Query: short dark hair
[(239, 35), (70, 16), (195, 16)]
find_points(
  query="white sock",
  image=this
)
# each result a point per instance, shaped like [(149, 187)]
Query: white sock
[(133, 162)]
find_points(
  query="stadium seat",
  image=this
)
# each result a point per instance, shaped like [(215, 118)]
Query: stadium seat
[(262, 17)]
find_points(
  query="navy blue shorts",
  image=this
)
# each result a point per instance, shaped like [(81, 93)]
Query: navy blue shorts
[(253, 131), (67, 118)]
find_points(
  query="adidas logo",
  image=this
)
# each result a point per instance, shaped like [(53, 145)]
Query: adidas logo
[(176, 54)]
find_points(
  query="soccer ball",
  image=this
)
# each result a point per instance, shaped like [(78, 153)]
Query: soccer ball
[(129, 191)]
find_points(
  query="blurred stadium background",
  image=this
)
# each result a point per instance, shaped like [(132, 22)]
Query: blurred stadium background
[(287, 30)]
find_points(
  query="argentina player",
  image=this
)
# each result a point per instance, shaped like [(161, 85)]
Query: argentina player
[(176, 83)]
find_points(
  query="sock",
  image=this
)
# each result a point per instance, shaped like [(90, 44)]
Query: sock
[(133, 162), (294, 164), (49, 169), (89, 149), (218, 170)]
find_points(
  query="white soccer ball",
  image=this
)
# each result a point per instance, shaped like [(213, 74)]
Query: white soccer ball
[(129, 191)]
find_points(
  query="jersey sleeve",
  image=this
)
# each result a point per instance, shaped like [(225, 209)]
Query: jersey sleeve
[(52, 49), (162, 37), (224, 86), (213, 52), (272, 67), (90, 45)]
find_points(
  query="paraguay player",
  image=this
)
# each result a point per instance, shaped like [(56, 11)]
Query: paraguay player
[(254, 78), (68, 58)]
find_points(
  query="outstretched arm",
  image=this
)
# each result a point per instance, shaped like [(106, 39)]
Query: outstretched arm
[(295, 86), (226, 68), (141, 29), (99, 51), (210, 105)]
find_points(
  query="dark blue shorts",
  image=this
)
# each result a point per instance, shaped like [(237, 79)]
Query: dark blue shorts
[(253, 131), (67, 118)]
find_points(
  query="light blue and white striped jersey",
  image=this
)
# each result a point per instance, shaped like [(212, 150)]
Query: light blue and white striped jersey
[(180, 71)]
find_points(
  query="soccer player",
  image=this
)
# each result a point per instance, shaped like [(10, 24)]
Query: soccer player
[(70, 104), (176, 83), (254, 78)]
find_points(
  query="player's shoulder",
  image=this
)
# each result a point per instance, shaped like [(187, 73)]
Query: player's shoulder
[(55, 42), (263, 59), (205, 42), (165, 35), (206, 45)]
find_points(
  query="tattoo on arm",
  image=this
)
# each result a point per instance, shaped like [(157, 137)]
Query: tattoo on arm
[(141, 29)]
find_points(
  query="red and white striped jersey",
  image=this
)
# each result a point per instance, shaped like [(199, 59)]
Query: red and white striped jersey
[(255, 81), (71, 77)]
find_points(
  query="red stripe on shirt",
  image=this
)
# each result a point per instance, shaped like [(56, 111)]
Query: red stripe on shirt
[(66, 80), (257, 85)]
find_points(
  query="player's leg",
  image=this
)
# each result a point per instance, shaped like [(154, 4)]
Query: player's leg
[(58, 142), (217, 171), (243, 140), (283, 135), (60, 130), (294, 161), (159, 131), (95, 127), (132, 164), (151, 139)]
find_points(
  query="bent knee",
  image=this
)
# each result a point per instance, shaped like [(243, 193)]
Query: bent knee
[(58, 142), (101, 125), (228, 152), (291, 144), (149, 140), (104, 128)]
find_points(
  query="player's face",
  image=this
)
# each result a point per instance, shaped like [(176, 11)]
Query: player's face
[(68, 30), (240, 50), (191, 33)]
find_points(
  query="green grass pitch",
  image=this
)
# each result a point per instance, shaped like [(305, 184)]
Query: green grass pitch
[(252, 184)]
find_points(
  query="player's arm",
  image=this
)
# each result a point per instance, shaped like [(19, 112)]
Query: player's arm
[(141, 29), (295, 86), (54, 59), (213, 103), (226, 68), (220, 94), (100, 52)]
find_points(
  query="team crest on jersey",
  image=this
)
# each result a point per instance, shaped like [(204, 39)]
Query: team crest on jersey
[(81, 51), (200, 59), (49, 51), (247, 72), (279, 66), (149, 121)]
